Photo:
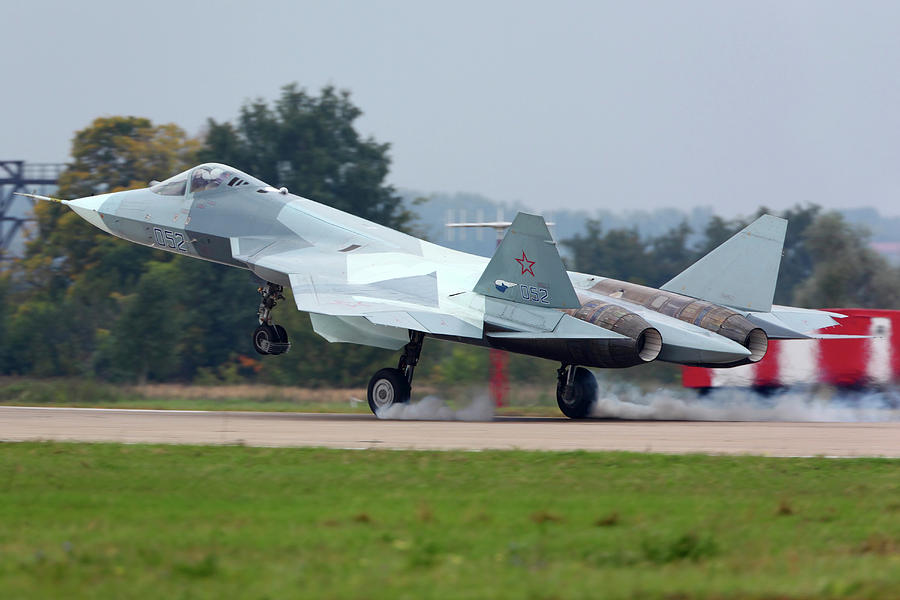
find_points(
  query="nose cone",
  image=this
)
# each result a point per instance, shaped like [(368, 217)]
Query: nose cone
[(89, 209)]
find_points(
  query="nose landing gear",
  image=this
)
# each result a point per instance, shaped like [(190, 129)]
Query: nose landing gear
[(269, 338)]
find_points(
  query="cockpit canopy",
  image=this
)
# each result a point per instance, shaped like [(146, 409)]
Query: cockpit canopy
[(204, 178), (173, 186)]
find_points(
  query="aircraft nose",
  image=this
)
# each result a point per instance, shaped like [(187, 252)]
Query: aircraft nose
[(87, 203), (88, 208)]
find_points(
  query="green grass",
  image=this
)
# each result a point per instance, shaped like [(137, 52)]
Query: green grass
[(89, 393), (114, 521), (75, 392)]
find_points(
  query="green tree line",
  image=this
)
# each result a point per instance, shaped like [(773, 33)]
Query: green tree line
[(826, 262), (82, 302)]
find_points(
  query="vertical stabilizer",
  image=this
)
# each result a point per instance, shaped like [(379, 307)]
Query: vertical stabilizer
[(526, 268), (740, 273)]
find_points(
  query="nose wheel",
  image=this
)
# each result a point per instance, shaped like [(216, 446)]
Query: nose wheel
[(269, 338)]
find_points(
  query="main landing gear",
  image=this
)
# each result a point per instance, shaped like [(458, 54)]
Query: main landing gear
[(393, 386), (270, 338), (576, 391)]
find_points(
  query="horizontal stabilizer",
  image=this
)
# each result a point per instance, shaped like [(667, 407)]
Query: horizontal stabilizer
[(526, 268), (740, 273), (806, 319), (789, 323)]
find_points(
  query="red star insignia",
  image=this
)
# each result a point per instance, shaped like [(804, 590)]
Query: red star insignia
[(525, 264)]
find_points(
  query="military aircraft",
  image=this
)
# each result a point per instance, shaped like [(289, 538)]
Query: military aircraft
[(368, 284)]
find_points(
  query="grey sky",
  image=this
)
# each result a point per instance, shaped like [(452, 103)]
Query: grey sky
[(619, 105)]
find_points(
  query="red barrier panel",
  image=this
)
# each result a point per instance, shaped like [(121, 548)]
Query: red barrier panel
[(859, 362)]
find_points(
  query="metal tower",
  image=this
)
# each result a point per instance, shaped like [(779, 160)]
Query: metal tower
[(19, 176)]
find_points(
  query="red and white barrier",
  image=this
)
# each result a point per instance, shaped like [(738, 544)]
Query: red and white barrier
[(860, 362)]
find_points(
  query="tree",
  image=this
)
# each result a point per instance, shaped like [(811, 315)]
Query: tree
[(670, 254), (618, 253), (796, 262), (466, 364), (117, 153), (112, 154), (83, 301), (718, 230), (5, 314), (67, 284), (310, 145), (621, 254), (846, 272), (147, 333)]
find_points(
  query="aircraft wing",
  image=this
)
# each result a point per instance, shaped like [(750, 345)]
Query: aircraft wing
[(370, 297), (372, 291), (405, 302)]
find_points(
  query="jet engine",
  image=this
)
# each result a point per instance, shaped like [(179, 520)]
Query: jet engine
[(642, 344), (719, 319)]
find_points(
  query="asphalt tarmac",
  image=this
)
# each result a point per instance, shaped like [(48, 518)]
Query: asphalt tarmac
[(527, 433)]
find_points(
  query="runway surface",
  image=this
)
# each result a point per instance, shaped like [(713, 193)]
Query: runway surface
[(364, 431)]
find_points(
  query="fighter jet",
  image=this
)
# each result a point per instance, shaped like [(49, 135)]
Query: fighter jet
[(364, 283)]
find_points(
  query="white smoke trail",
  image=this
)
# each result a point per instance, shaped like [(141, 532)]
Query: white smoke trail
[(432, 408), (628, 402)]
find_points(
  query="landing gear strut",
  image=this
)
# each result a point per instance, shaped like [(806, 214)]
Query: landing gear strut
[(576, 391), (394, 386), (270, 338)]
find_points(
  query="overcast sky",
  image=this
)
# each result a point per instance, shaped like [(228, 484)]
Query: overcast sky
[(615, 105)]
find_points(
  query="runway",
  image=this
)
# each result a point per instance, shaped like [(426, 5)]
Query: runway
[(364, 431)]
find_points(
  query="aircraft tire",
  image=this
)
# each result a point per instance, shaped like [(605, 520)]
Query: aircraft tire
[(583, 397), (386, 388), (270, 340), (263, 337)]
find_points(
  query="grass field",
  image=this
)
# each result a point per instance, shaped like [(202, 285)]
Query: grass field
[(523, 399), (113, 521)]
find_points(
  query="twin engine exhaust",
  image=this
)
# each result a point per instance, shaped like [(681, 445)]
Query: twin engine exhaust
[(598, 307), (716, 336), (643, 345)]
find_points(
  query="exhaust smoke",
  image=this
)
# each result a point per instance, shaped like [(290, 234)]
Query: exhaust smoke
[(626, 401), (433, 408)]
